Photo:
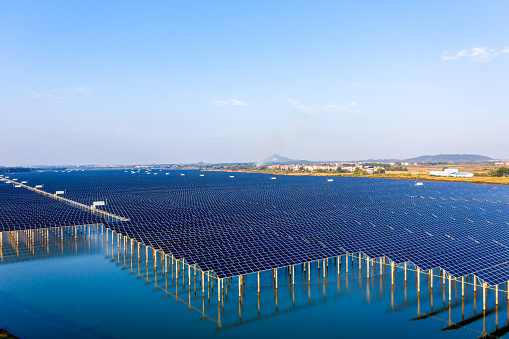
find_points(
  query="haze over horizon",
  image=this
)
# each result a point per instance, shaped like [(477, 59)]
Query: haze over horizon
[(109, 83)]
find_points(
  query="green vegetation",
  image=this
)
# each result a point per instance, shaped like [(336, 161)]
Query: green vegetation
[(501, 172)]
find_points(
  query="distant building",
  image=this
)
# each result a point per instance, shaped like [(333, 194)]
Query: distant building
[(451, 172), (462, 175)]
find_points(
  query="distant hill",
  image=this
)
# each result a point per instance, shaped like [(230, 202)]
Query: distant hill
[(455, 158), (451, 158), (277, 159), (384, 161)]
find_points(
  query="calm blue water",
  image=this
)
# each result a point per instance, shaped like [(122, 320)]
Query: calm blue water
[(77, 288)]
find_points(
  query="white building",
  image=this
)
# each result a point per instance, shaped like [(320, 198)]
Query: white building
[(451, 172)]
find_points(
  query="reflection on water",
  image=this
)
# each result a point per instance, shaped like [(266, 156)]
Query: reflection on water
[(455, 306)]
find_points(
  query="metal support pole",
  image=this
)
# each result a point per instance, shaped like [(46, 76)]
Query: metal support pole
[(418, 280), (449, 287), (484, 296), (367, 267), (275, 273), (496, 295), (392, 273), (218, 290), (258, 274)]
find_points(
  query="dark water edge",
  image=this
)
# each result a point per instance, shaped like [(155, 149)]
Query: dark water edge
[(78, 288)]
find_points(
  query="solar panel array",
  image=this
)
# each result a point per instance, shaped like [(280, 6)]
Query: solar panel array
[(22, 209), (248, 222)]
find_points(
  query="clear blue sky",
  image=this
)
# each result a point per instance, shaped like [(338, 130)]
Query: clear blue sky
[(110, 82)]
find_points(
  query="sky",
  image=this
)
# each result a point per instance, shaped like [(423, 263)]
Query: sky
[(130, 82)]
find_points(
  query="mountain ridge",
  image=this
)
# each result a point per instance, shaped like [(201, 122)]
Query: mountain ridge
[(452, 158)]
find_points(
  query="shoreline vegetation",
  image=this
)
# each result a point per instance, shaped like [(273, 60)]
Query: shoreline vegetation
[(480, 177), (6, 335)]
